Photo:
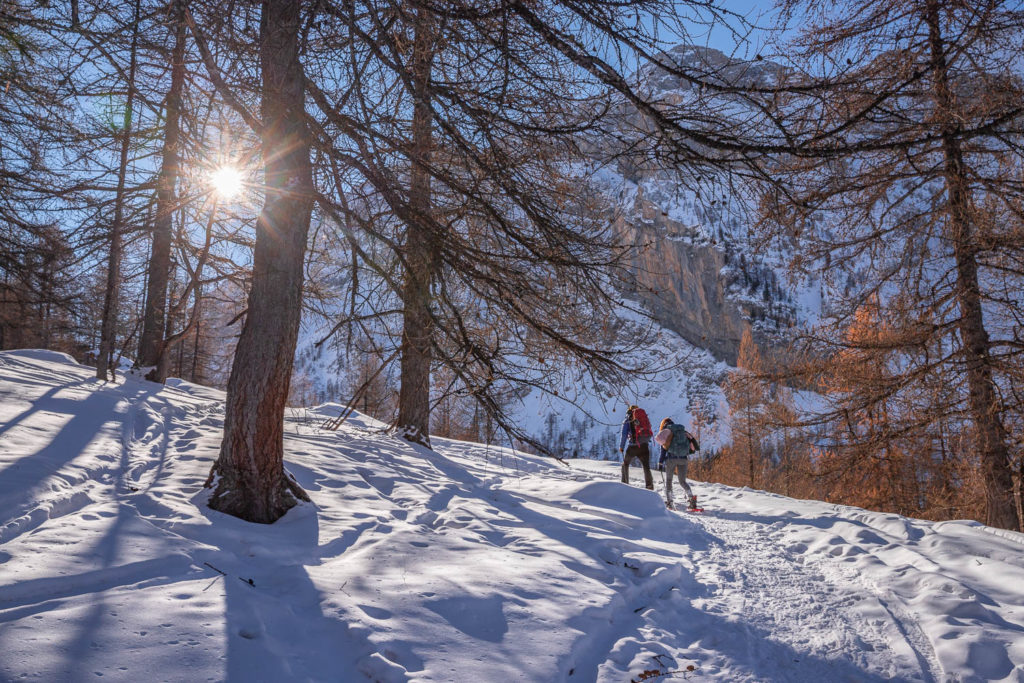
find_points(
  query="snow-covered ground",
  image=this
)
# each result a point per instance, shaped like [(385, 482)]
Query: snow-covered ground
[(465, 564)]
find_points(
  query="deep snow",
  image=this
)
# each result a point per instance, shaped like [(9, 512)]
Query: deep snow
[(464, 564)]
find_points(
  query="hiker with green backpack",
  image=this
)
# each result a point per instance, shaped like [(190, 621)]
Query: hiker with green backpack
[(677, 445)]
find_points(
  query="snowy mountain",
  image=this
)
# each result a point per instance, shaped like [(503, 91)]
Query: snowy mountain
[(695, 273), (466, 563), (696, 269), (584, 420)]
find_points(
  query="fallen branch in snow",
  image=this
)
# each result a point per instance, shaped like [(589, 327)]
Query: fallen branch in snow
[(334, 423), (214, 569), (223, 573), (651, 674)]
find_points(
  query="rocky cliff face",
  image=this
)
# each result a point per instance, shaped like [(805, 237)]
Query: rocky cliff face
[(707, 289), (681, 283), (694, 270)]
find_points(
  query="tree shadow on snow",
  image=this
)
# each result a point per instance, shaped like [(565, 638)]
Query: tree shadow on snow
[(608, 537), (23, 476), (275, 627)]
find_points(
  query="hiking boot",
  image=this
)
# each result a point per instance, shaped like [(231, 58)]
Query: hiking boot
[(693, 502)]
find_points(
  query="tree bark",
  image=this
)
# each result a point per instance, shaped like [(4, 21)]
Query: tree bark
[(248, 478), (196, 313), (151, 341), (108, 328), (983, 401), (420, 252)]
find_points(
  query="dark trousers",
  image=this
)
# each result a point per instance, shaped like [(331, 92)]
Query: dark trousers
[(643, 452)]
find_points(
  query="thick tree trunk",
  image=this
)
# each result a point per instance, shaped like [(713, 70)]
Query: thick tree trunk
[(108, 328), (1000, 509), (420, 253), (248, 478), (983, 401), (151, 341)]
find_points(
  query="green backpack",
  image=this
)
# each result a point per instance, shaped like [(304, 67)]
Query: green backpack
[(683, 443)]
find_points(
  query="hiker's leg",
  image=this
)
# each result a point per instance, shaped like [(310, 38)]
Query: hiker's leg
[(645, 462), (669, 468), (627, 460), (681, 469)]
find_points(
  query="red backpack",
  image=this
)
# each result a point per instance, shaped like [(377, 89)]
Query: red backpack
[(641, 426)]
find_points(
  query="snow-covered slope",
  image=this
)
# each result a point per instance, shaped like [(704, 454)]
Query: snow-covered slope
[(465, 564), (585, 421)]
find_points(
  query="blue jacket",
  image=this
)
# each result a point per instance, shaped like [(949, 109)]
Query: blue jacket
[(626, 435)]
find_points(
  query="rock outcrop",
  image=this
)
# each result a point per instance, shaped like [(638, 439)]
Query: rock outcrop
[(704, 290), (681, 284), (694, 271)]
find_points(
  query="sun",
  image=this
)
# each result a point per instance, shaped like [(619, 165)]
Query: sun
[(227, 182)]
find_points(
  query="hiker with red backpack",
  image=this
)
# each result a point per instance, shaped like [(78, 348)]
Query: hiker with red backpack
[(677, 445), (636, 439)]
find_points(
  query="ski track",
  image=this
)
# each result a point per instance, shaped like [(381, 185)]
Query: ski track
[(790, 597), (803, 614)]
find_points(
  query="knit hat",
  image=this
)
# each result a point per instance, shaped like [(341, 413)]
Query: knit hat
[(664, 423)]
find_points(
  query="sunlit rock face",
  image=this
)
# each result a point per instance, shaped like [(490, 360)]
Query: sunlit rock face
[(681, 282), (695, 269)]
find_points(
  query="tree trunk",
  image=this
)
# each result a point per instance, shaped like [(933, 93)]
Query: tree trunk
[(108, 328), (248, 478), (1018, 495), (983, 401), (196, 313), (420, 253), (151, 342)]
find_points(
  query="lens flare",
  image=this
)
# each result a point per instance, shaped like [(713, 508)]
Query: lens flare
[(227, 182)]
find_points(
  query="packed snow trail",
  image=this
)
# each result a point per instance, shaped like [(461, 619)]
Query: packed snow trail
[(902, 599), (467, 563)]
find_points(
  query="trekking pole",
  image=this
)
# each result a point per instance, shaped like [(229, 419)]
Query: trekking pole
[(661, 461)]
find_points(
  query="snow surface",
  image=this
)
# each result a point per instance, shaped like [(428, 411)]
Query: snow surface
[(465, 564)]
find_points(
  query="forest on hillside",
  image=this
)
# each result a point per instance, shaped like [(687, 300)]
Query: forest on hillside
[(182, 182)]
